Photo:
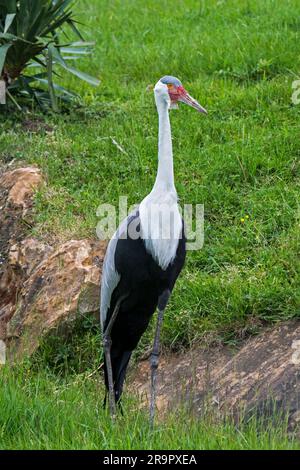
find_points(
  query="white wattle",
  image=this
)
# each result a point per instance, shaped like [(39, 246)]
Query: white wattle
[(161, 226), (161, 222)]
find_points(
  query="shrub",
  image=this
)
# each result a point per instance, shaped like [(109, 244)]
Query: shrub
[(31, 49)]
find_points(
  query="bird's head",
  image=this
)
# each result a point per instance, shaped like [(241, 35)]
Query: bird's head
[(170, 89)]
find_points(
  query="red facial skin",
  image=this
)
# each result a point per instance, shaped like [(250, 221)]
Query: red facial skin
[(176, 92), (180, 94)]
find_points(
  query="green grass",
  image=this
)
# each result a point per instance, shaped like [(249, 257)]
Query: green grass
[(239, 59), (42, 412)]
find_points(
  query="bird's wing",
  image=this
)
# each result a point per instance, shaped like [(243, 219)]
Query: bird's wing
[(110, 276)]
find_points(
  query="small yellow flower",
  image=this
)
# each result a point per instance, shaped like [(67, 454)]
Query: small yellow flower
[(247, 216), (242, 220)]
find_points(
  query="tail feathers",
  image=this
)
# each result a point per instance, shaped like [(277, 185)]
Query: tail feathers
[(119, 362)]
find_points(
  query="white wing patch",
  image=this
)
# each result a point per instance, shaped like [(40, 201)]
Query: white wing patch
[(110, 276), (110, 279), (161, 226)]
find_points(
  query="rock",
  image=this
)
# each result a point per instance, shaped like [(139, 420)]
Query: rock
[(16, 190), (88, 300), (27, 254), (20, 184), (261, 378), (42, 287), (49, 297)]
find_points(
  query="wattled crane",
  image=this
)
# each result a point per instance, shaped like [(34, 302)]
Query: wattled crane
[(144, 258)]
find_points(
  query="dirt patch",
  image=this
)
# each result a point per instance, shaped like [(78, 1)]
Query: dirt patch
[(262, 377), (180, 376), (36, 126)]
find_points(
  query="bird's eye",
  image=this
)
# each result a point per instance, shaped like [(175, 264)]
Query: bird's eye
[(170, 85)]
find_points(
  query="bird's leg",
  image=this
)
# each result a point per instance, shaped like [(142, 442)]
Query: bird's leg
[(107, 348), (111, 395), (162, 303)]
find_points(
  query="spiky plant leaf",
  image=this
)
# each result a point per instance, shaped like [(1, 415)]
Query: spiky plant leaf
[(8, 21), (3, 51), (30, 33)]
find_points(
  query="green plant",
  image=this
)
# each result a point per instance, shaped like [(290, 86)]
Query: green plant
[(31, 47)]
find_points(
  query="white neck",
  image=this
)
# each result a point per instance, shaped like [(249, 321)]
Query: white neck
[(161, 223), (165, 175)]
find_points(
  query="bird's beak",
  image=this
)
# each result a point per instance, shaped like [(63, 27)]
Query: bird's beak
[(189, 100)]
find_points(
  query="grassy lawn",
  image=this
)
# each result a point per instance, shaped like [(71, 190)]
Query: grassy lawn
[(41, 412), (239, 59), (241, 161)]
